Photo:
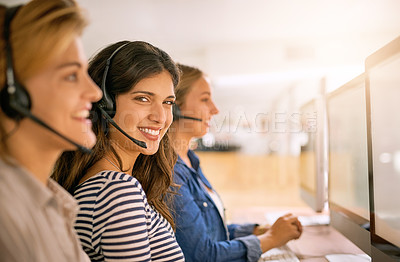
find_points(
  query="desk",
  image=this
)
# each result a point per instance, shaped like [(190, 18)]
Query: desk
[(314, 243)]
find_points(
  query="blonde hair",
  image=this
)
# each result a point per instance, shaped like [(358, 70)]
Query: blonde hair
[(189, 75), (40, 30)]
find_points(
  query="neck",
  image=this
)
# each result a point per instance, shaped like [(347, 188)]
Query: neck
[(34, 154), (128, 159), (181, 142)]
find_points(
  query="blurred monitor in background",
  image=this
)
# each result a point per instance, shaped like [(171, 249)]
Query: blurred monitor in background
[(313, 164)]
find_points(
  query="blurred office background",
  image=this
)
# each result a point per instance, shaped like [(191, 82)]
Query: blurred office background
[(265, 59)]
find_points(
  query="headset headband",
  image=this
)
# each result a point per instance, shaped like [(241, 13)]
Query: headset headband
[(107, 102), (11, 83)]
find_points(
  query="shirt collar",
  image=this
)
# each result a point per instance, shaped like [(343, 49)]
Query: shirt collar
[(68, 204), (194, 160), (196, 170)]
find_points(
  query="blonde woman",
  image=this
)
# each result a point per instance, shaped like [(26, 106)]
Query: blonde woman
[(199, 212), (46, 97)]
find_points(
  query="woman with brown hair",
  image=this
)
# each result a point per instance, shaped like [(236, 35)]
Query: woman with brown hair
[(121, 188), (46, 95)]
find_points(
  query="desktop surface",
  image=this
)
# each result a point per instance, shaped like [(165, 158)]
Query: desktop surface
[(315, 243)]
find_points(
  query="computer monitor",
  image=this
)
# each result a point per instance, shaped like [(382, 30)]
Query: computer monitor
[(348, 162), (383, 107), (313, 157)]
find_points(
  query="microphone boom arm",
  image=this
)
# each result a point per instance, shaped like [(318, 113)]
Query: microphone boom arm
[(107, 116), (28, 114)]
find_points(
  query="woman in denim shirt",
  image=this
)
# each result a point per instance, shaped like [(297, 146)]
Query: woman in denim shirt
[(199, 213)]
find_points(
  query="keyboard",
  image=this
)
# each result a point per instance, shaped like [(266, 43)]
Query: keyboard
[(314, 220), (282, 254), (348, 258)]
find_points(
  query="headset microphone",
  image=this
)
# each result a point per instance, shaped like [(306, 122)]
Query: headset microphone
[(109, 119), (176, 112), (14, 98)]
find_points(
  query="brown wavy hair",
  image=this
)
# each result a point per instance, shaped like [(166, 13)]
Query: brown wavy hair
[(135, 61)]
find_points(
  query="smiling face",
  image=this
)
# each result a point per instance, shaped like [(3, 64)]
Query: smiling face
[(199, 104), (145, 113), (61, 96)]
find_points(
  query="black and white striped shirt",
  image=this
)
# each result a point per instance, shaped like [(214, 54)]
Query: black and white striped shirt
[(115, 221)]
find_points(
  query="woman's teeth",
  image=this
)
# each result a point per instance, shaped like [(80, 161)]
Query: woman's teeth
[(81, 114), (150, 131)]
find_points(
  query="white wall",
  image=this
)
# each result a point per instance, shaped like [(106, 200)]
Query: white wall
[(260, 54)]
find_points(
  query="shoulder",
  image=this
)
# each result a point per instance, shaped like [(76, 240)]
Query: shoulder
[(109, 195), (105, 178), (19, 190), (108, 183)]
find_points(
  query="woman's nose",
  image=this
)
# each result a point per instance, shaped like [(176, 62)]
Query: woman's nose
[(92, 90), (158, 113), (214, 109)]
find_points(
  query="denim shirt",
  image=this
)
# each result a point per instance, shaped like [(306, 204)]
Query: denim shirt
[(200, 230)]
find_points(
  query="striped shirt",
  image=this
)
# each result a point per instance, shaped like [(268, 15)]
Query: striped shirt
[(116, 223)]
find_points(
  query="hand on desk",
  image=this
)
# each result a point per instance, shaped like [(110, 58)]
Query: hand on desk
[(259, 230), (286, 228)]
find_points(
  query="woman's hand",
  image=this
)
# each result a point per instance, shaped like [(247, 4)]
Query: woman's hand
[(259, 230), (286, 228)]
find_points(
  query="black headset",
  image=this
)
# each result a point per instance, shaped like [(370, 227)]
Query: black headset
[(107, 104), (15, 101), (14, 97), (177, 114)]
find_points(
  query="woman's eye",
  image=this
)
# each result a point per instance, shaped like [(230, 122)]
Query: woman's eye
[(72, 77), (169, 102), (141, 99)]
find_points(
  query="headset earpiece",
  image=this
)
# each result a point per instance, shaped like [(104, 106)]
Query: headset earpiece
[(176, 112), (107, 103), (13, 95), (12, 98)]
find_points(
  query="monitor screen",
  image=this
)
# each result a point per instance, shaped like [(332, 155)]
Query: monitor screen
[(313, 180), (348, 157), (383, 92), (348, 162)]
